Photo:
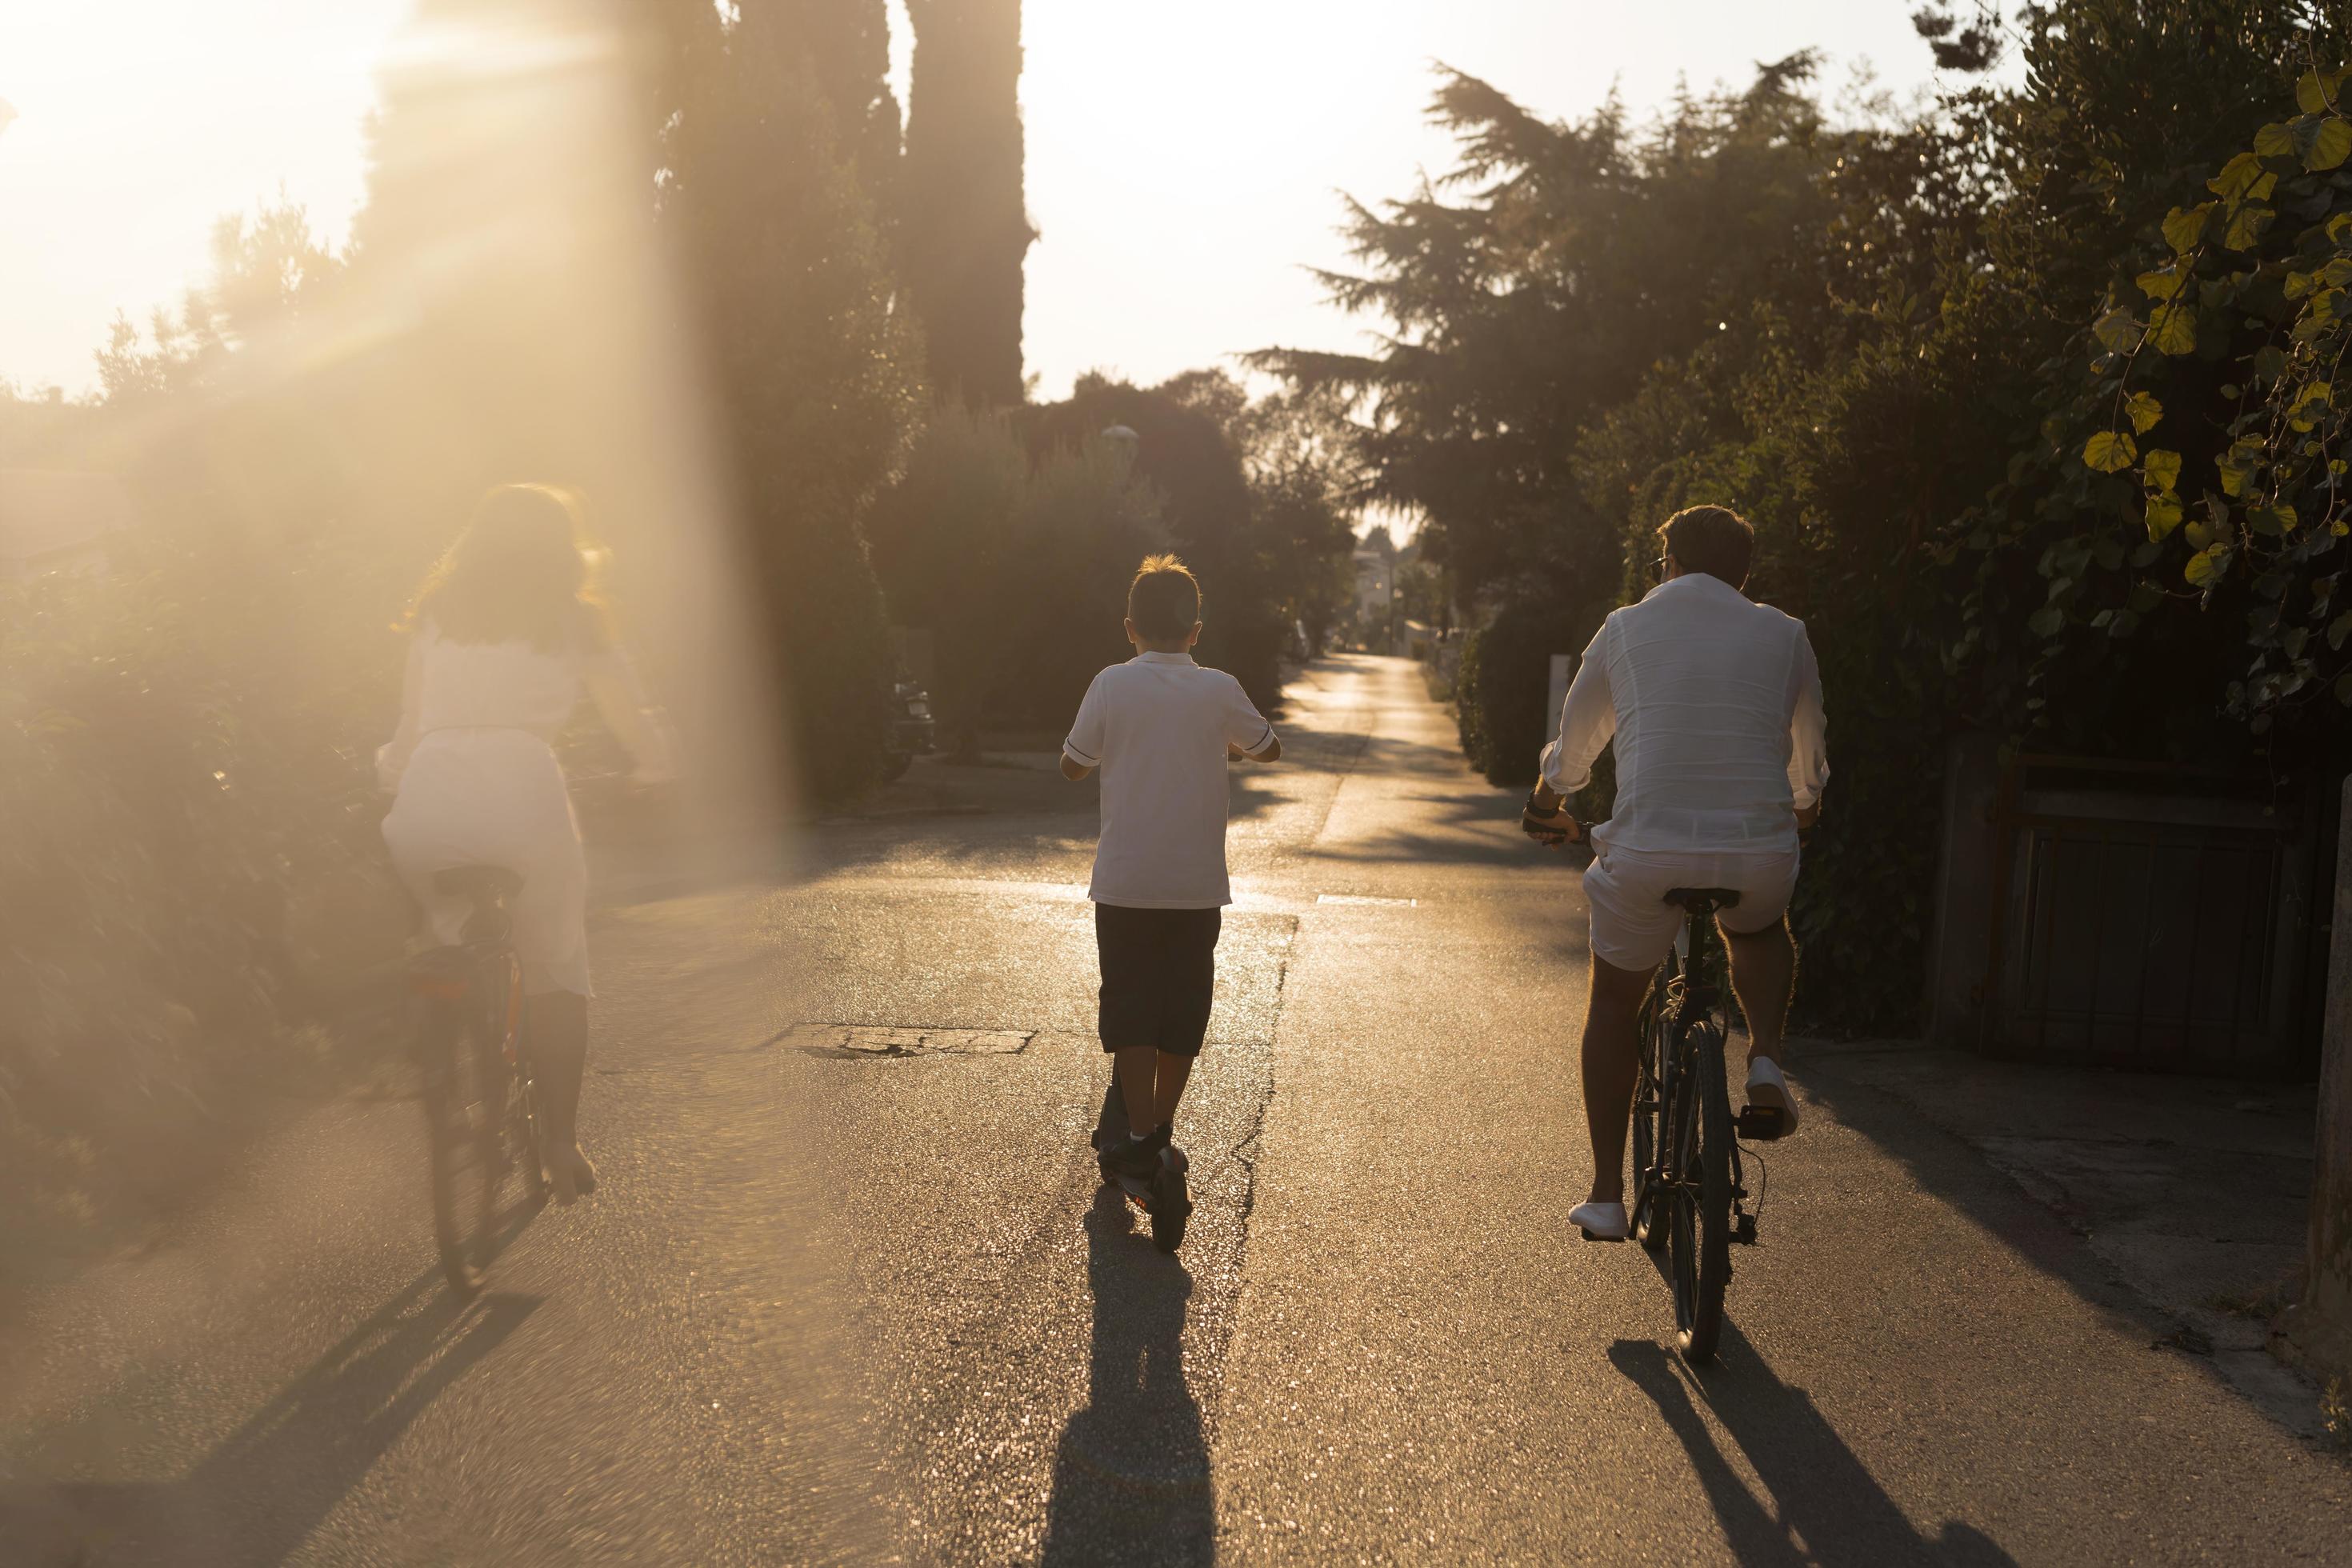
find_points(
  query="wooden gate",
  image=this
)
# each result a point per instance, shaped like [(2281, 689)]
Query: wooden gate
[(2150, 916)]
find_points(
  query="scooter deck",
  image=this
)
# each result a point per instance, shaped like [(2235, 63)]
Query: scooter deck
[(1138, 1190)]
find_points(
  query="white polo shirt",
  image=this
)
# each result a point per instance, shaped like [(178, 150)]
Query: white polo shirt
[(1157, 726)]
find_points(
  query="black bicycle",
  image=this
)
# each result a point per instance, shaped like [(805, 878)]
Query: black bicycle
[(480, 1112), (1690, 1195)]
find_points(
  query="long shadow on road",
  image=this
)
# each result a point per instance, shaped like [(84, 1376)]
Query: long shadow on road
[(1132, 1480), (260, 1492), (1945, 1165), (1825, 1507)]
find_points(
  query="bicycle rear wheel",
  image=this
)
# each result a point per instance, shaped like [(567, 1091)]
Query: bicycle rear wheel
[(466, 1088), (1702, 1229), (1655, 1035)]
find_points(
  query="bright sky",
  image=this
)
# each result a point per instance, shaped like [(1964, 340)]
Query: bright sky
[(1184, 161), (139, 122)]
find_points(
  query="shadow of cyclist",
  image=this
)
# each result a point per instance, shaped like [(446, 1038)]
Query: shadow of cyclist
[(1131, 1479), (263, 1489), (1819, 1492)]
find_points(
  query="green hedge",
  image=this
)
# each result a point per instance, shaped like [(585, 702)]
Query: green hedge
[(1506, 680)]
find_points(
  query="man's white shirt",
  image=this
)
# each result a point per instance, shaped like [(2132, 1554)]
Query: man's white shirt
[(1715, 702), (1158, 727)]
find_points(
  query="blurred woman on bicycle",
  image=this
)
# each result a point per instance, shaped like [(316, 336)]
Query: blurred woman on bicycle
[(507, 639)]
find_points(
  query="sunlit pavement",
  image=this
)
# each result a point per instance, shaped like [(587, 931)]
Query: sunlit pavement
[(840, 1303)]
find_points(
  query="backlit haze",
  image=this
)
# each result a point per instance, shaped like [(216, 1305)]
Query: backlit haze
[(1183, 161)]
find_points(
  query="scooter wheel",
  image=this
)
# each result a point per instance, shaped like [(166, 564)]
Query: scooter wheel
[(1171, 1204)]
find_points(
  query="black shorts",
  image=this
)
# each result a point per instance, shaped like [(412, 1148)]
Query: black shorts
[(1159, 975)]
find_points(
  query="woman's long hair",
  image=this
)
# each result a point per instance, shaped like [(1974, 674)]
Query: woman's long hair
[(520, 572)]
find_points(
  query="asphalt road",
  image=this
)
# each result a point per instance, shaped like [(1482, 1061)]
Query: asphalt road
[(853, 1296)]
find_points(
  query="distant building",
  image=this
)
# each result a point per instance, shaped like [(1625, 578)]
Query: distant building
[(57, 520)]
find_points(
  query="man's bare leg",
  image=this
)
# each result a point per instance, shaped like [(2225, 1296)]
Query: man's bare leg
[(1612, 1009), (1763, 977)]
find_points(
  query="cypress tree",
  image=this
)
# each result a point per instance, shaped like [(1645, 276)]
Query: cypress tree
[(810, 373), (814, 371), (966, 226), (848, 47)]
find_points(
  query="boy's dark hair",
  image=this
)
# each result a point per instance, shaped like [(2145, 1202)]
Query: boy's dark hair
[(1164, 600), (1715, 540)]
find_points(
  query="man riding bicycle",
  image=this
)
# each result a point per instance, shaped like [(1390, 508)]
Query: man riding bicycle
[(1715, 703)]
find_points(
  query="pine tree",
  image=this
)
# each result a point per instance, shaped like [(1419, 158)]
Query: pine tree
[(965, 224)]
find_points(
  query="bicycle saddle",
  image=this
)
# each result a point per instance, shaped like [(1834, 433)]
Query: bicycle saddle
[(482, 884), (1713, 897)]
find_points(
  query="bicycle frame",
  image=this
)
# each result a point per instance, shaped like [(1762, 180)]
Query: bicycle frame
[(1689, 1182), (482, 972), (480, 1101), (1687, 992)]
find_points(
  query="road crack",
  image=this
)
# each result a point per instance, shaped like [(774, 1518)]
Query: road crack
[(879, 1042)]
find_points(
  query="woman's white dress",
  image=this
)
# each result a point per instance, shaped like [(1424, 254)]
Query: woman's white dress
[(475, 782)]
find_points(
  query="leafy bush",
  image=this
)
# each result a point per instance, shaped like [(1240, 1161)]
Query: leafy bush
[(1019, 571), (1086, 519), (191, 845), (1187, 448)]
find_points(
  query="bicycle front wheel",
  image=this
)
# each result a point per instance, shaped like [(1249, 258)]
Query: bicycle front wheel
[(524, 1143), (465, 1094), (1702, 1230)]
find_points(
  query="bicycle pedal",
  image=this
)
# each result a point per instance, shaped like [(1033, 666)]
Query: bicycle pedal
[(1744, 1232)]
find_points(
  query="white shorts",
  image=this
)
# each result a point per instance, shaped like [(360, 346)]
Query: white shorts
[(1634, 927)]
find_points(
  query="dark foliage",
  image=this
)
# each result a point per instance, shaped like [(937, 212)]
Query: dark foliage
[(1017, 567), (1974, 45), (1184, 452), (1871, 340)]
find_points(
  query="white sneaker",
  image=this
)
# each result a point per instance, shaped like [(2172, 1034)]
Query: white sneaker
[(1600, 1222), (1761, 1072)]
